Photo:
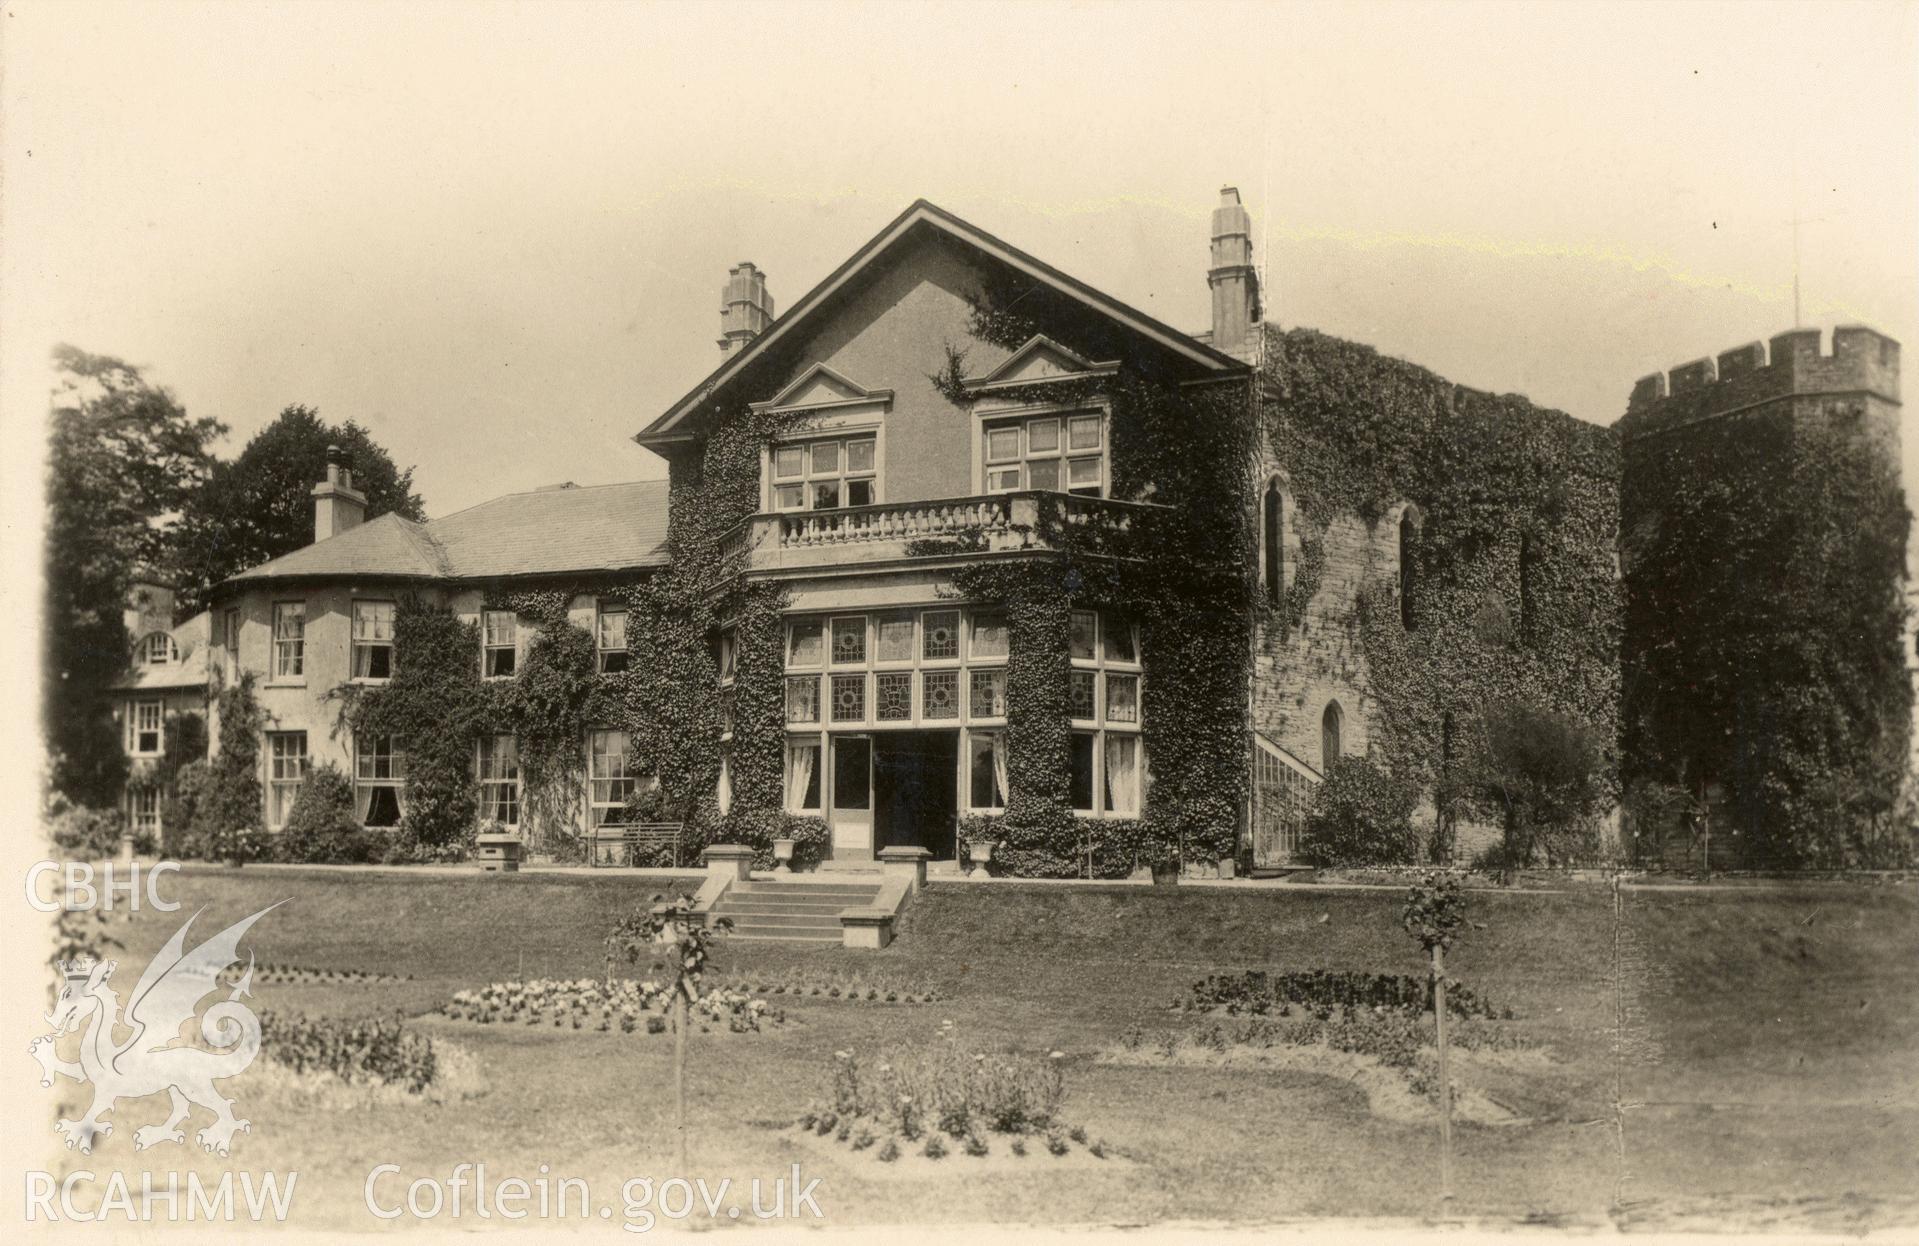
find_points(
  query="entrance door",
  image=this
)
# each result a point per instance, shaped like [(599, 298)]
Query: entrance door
[(916, 790), (851, 813)]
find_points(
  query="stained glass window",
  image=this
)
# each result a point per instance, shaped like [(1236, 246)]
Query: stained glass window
[(988, 699), (939, 639), (1081, 694), (849, 698), (803, 699), (893, 696), (939, 694)]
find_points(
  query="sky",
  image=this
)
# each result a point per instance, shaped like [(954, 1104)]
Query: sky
[(495, 234)]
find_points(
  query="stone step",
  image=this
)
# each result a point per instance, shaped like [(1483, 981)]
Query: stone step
[(808, 921), (812, 895), (782, 904), (772, 934)]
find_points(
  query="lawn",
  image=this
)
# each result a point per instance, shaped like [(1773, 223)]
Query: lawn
[(1767, 1053)]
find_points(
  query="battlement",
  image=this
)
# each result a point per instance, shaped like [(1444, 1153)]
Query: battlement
[(1862, 362)]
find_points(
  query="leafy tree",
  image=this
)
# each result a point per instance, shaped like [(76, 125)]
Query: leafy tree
[(1541, 773), (260, 505), (123, 458)]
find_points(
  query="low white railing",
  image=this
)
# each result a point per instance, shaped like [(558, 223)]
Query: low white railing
[(902, 521)]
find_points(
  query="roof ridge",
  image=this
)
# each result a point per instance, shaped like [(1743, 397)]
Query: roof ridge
[(523, 493)]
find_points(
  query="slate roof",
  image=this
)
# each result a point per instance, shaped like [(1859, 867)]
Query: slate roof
[(192, 638), (568, 529)]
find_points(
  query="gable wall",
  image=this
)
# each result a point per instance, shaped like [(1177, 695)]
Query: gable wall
[(894, 335)]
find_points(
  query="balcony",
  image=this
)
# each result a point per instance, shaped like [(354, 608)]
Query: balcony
[(863, 536)]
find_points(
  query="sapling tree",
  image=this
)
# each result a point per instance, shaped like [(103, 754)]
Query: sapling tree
[(1434, 913), (676, 939)]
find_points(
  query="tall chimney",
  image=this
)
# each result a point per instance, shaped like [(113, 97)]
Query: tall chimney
[(745, 308), (1234, 284), (337, 505)]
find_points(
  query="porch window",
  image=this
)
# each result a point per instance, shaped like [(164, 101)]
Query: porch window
[(826, 475), (987, 696), (1064, 454), (373, 640), (802, 698), (986, 771), (610, 780), (146, 811), (499, 776), (939, 694), (989, 637), (803, 775), (499, 643), (610, 639), (893, 696), (849, 698), (804, 645), (145, 734), (379, 780), (289, 639), (286, 771)]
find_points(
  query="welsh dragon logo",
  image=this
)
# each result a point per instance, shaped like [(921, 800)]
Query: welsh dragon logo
[(154, 1056)]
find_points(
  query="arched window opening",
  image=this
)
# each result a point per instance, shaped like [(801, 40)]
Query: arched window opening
[(1273, 543), (1329, 733), (1408, 538)]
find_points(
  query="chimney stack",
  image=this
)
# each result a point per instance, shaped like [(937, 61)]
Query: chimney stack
[(337, 505), (745, 308), (1235, 286)]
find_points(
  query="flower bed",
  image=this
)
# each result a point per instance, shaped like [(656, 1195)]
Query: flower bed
[(1323, 993), (357, 1051), (626, 1004), (307, 974), (940, 1099), (831, 985)]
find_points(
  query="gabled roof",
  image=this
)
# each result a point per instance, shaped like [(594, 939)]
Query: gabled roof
[(821, 386), (191, 638), (553, 531), (1041, 359), (926, 215)]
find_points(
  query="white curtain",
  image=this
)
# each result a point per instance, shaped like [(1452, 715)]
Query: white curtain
[(999, 769), (362, 803), (725, 793), (800, 759), (1122, 774)]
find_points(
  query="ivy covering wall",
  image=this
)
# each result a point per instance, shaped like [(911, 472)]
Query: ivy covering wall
[(1515, 596), (1765, 559)]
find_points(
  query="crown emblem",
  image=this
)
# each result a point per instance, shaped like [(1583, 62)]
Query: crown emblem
[(76, 970)]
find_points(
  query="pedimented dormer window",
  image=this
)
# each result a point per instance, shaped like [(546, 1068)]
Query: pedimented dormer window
[(832, 458)]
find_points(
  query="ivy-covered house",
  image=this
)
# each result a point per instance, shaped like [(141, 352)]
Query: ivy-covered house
[(159, 702), (461, 672), (986, 553)]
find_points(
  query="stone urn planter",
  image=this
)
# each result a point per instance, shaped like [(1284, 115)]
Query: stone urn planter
[(979, 853), (1165, 873), (499, 852), (783, 856)]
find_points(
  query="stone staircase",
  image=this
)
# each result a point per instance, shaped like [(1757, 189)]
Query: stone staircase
[(794, 911)]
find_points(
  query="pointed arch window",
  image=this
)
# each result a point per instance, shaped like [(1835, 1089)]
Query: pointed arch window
[(1273, 543), (1330, 730)]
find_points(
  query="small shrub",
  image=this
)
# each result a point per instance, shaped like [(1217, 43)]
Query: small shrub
[(890, 1151), (1056, 1144), (1361, 815), (87, 834), (355, 1051), (975, 1145), (934, 1149), (321, 827)]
